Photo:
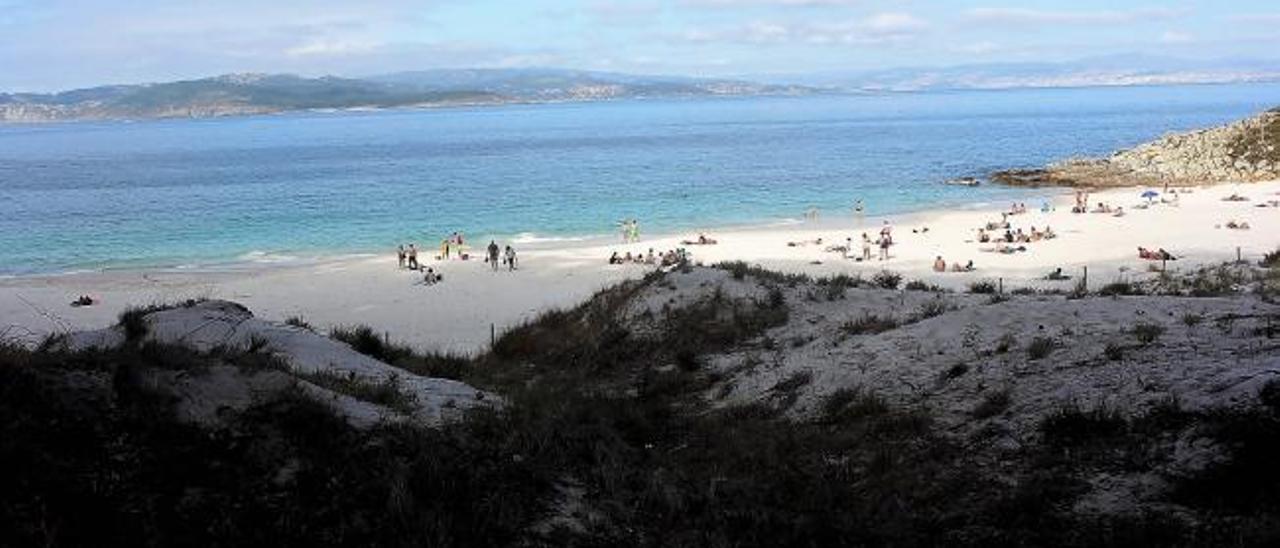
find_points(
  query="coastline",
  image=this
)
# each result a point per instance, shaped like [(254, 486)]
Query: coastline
[(458, 314)]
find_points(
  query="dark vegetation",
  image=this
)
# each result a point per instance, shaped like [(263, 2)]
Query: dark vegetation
[(604, 419)]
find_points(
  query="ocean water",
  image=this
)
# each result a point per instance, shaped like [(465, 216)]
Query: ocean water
[(282, 188)]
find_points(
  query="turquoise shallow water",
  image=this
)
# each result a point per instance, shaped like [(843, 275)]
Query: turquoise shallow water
[(167, 193)]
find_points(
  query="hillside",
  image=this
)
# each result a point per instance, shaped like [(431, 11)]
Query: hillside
[(1243, 151), (244, 94), (723, 406)]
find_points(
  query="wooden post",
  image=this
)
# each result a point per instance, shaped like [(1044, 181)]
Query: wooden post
[(1000, 281), (1086, 277), (493, 335), (1239, 259)]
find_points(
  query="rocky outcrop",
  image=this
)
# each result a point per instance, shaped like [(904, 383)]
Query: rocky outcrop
[(1243, 151)]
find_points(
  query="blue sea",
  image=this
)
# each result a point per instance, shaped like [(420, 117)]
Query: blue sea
[(208, 192)]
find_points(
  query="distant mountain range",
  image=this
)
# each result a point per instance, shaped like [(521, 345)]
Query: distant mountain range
[(1119, 70), (242, 94)]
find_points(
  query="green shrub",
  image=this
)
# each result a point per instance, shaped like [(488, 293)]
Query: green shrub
[(1191, 319), (387, 393), (1147, 332), (1071, 426), (1040, 348), (983, 287), (931, 308), (848, 404), (1006, 343), (1271, 259), (994, 403), (869, 324), (298, 321), (920, 285), (835, 286), (365, 340), (1118, 288), (955, 371), (886, 279)]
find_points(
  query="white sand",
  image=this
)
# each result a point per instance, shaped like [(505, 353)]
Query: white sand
[(457, 314)]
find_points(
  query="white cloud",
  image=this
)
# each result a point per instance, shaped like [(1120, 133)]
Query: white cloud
[(1024, 16), (1256, 18), (977, 48), (1176, 37), (882, 28), (332, 47), (743, 3)]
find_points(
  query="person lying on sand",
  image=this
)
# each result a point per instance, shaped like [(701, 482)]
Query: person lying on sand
[(702, 240), (1232, 224), (83, 300), (1119, 212), (1057, 275), (803, 243), (1002, 247), (1235, 198), (965, 268), (1157, 255)]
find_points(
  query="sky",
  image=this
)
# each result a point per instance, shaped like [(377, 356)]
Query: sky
[(49, 45)]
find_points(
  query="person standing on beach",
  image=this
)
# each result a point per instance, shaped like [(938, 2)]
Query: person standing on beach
[(413, 257), (493, 255), (511, 259), (444, 249), (866, 247), (400, 254)]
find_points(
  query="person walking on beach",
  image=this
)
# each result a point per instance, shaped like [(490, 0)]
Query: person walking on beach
[(511, 259), (413, 257), (866, 247), (635, 230), (493, 255), (400, 253)]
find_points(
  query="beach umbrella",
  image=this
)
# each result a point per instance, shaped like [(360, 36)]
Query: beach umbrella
[(1150, 195)]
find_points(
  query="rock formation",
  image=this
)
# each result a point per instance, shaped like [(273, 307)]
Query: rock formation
[(1243, 151)]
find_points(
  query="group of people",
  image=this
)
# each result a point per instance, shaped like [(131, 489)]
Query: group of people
[(1011, 236), (407, 257), (883, 243), (1082, 202), (496, 256), (670, 257), (940, 265), (630, 230)]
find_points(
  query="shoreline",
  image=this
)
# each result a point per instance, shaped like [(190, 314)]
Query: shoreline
[(525, 241), (459, 314)]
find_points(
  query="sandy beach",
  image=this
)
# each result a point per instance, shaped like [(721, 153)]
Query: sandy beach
[(458, 314)]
